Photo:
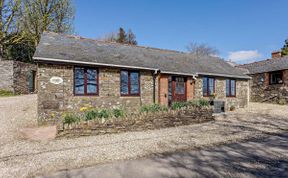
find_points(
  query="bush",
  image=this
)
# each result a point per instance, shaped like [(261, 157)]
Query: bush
[(71, 118), (90, 115), (104, 114), (179, 105), (204, 103), (199, 103), (282, 102), (118, 113), (153, 108)]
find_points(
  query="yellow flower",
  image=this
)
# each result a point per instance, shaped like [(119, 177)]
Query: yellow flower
[(83, 109)]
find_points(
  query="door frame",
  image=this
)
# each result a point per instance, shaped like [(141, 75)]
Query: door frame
[(173, 88)]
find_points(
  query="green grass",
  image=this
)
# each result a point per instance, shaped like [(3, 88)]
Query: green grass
[(4, 93)]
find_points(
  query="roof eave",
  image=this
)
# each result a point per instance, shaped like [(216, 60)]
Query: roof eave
[(224, 75), (178, 73), (44, 59)]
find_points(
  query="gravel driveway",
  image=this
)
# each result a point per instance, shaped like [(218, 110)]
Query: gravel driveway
[(15, 113), (24, 158)]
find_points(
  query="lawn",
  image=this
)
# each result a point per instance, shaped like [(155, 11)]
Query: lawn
[(5, 93)]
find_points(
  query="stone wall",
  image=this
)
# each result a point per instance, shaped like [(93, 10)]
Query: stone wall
[(242, 92), (148, 121), (14, 76), (6, 75), (54, 99), (21, 72), (261, 91)]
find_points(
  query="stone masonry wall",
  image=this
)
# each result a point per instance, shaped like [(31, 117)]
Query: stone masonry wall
[(21, 76), (14, 76), (261, 91), (6, 75), (242, 89), (54, 99)]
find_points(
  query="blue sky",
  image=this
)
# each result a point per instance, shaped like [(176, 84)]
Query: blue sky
[(243, 30)]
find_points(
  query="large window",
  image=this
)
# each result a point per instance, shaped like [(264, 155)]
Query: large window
[(230, 88), (276, 77), (208, 86), (130, 83), (85, 81)]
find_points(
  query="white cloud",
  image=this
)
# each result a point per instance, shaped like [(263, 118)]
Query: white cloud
[(244, 56)]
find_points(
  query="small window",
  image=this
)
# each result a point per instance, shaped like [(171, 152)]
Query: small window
[(208, 86), (85, 81), (276, 77), (230, 88), (180, 86), (130, 83)]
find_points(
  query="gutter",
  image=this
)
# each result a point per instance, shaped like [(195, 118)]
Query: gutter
[(89, 63), (154, 85), (179, 73), (224, 75)]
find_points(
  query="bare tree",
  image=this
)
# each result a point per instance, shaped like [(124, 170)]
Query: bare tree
[(120, 37), (47, 15), (110, 37), (23, 21), (9, 11), (202, 50)]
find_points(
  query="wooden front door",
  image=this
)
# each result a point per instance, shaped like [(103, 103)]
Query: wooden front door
[(179, 89)]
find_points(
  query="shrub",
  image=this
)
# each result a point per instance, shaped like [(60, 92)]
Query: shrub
[(153, 108), (118, 113), (104, 114), (203, 102), (90, 115), (232, 108), (199, 103), (179, 105), (71, 118), (282, 102)]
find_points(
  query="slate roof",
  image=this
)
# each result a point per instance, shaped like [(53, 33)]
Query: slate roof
[(268, 65), (72, 48)]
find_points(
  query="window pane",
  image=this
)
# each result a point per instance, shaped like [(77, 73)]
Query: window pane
[(227, 87), (134, 83), (211, 86), (79, 81), (180, 86), (91, 81), (233, 89), (205, 89), (272, 78), (124, 82), (279, 78)]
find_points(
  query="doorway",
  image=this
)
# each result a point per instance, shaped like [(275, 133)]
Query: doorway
[(31, 81), (177, 89)]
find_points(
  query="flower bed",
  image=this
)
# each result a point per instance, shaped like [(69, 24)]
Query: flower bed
[(149, 117)]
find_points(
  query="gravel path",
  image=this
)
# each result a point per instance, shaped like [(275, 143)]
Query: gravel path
[(24, 158), (15, 113)]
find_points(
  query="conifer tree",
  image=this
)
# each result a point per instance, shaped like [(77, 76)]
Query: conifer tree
[(285, 49), (122, 37), (131, 38)]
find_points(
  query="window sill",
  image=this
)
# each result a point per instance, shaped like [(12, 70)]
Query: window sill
[(85, 95), (129, 96), (271, 84)]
